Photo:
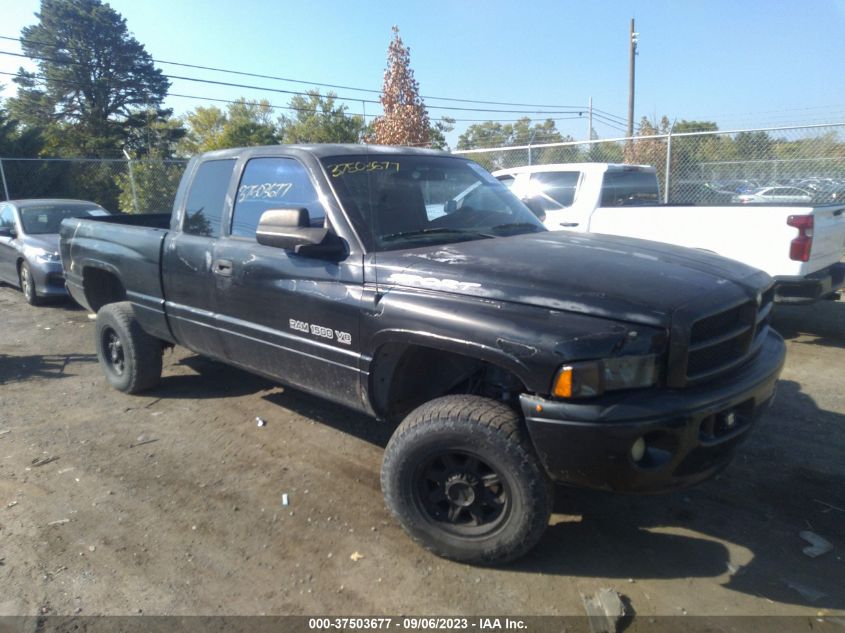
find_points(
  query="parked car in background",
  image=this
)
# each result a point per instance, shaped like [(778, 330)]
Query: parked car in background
[(774, 195), (29, 244), (557, 193), (697, 193), (735, 186), (797, 243)]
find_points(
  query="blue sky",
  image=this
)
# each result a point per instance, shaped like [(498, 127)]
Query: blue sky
[(749, 63)]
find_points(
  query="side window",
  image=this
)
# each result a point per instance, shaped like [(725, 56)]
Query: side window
[(629, 188), (556, 189), (271, 183), (204, 209), (507, 180), (7, 218)]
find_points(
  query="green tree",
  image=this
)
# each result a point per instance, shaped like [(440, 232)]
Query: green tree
[(155, 132), (688, 152), (92, 76), (249, 123), (245, 123), (754, 146), (485, 135), (152, 183), (204, 129), (521, 132), (18, 142), (438, 131), (405, 120), (493, 134), (317, 119)]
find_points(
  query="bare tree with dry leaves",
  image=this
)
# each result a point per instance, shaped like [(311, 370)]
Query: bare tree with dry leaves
[(405, 120)]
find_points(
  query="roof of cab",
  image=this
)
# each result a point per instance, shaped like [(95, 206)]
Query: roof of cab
[(322, 150)]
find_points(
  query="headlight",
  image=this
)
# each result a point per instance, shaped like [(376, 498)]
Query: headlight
[(592, 378), (46, 256)]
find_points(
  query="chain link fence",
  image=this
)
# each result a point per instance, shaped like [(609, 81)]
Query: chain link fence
[(137, 186), (804, 164)]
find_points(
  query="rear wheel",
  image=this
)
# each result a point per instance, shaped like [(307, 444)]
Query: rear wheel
[(130, 358), (28, 285), (462, 478)]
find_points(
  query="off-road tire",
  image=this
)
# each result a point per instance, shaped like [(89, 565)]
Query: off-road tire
[(129, 357), (471, 430)]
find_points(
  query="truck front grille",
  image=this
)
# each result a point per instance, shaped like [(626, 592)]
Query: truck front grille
[(721, 341)]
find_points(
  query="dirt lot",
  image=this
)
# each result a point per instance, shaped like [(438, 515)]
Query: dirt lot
[(171, 503)]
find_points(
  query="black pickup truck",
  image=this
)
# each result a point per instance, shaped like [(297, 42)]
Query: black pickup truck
[(413, 286)]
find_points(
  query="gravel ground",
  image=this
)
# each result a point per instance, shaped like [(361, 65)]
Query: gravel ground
[(171, 502)]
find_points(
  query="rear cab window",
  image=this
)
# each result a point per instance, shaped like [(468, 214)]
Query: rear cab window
[(207, 198), (629, 187)]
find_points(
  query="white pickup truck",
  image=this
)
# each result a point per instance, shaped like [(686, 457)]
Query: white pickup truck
[(801, 246)]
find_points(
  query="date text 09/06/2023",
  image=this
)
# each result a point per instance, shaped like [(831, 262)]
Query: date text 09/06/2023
[(416, 624)]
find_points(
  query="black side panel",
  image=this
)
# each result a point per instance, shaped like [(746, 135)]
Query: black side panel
[(292, 318)]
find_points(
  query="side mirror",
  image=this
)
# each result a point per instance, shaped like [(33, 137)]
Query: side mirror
[(290, 229), (7, 231), (536, 207)]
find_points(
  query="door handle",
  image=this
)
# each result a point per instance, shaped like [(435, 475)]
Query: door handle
[(568, 224), (222, 267)]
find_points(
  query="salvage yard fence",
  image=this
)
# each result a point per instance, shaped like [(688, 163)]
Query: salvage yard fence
[(131, 186), (705, 167), (693, 167)]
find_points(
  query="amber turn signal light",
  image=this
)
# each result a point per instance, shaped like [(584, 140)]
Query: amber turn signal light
[(563, 383)]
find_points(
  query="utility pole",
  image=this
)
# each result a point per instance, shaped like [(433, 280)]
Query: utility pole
[(633, 54), (590, 122)]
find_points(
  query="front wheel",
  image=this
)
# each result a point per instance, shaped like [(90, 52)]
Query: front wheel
[(28, 285), (461, 477), (130, 358)]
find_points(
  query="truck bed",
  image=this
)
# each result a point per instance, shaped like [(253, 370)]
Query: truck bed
[(130, 247), (757, 235)]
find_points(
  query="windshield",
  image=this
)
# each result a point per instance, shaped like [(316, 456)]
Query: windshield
[(398, 201), (45, 219)]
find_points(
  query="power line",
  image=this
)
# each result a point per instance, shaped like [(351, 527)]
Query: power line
[(324, 85), (299, 93), (292, 108)]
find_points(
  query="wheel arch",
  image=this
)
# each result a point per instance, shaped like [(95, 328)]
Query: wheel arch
[(102, 286), (406, 373)]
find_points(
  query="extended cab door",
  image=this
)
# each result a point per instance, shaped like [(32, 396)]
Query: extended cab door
[(288, 316), (189, 268)]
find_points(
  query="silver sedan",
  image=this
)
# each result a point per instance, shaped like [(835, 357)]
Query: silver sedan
[(774, 195), (29, 244)]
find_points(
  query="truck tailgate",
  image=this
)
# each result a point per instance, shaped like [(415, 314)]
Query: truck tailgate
[(828, 237)]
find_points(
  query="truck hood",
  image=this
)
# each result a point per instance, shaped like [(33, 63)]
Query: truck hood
[(615, 277)]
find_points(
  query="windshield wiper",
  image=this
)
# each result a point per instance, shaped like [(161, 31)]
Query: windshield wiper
[(516, 225), (439, 229)]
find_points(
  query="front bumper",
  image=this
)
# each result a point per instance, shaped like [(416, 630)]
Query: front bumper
[(49, 278), (690, 434), (817, 285)]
